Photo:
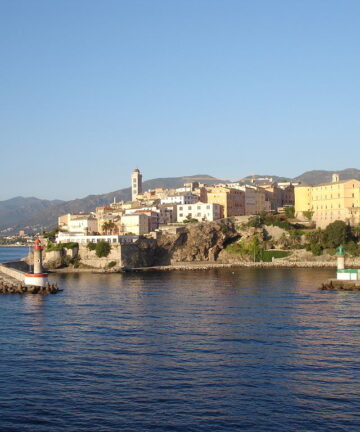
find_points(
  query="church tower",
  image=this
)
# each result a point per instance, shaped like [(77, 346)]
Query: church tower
[(136, 184)]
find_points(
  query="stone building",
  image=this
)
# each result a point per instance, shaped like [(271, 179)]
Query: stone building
[(328, 202), (136, 184)]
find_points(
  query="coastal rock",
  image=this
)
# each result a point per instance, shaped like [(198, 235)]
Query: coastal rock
[(199, 242)]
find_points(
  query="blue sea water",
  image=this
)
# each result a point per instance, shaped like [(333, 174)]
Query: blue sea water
[(12, 253), (219, 350)]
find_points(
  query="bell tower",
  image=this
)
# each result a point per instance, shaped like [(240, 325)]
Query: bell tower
[(136, 184)]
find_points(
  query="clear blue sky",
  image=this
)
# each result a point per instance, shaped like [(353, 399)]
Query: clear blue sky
[(90, 90)]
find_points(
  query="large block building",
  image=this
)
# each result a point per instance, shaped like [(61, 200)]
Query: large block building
[(336, 200)]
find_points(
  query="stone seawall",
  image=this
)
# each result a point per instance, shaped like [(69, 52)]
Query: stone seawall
[(12, 269), (213, 265)]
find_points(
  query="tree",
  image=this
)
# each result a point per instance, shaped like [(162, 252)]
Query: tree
[(108, 227), (102, 249), (336, 233)]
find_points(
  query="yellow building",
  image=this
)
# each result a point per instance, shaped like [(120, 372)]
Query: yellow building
[(336, 200), (136, 223), (232, 201)]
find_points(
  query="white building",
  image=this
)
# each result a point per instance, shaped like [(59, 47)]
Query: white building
[(84, 239), (183, 198), (166, 214), (137, 223), (199, 211), (78, 223)]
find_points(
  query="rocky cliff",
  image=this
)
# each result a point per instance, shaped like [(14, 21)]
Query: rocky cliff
[(198, 242)]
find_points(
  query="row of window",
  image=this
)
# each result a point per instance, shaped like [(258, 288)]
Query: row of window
[(190, 207)]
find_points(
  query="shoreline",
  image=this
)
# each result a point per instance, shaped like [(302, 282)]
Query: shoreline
[(14, 246), (245, 264), (191, 266)]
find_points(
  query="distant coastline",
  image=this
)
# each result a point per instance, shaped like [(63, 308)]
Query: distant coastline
[(13, 246)]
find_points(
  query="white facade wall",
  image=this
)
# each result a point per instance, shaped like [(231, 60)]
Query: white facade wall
[(137, 224), (180, 199), (166, 215), (199, 211), (83, 239), (83, 226)]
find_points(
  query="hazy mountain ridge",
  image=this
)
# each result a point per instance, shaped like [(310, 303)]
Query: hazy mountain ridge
[(45, 217), (38, 214), (321, 176), (13, 211)]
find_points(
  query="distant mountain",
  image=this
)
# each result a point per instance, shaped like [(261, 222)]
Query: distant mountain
[(46, 217), (320, 176), (258, 176), (34, 214), (13, 211)]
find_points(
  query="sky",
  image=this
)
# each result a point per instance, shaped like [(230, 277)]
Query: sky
[(90, 90)]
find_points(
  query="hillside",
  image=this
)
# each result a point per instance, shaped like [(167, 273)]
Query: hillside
[(45, 217), (12, 211), (321, 176), (34, 214)]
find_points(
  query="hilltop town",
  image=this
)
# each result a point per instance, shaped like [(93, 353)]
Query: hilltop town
[(163, 209), (253, 220)]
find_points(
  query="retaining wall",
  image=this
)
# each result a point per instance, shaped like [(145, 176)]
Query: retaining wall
[(7, 268)]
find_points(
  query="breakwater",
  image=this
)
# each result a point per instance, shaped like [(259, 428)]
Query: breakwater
[(342, 285), (12, 279), (205, 265)]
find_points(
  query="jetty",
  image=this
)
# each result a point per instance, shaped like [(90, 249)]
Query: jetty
[(346, 279), (15, 279)]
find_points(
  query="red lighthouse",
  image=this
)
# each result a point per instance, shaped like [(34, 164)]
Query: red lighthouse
[(38, 277)]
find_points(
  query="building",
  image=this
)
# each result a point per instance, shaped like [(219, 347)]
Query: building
[(136, 184), (84, 239), (181, 198), (279, 196), (232, 201), (136, 223), (199, 211), (84, 224), (165, 214), (328, 202)]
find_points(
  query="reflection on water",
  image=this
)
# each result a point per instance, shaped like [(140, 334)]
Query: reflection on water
[(250, 349)]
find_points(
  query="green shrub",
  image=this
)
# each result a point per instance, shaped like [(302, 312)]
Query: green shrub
[(111, 264), (337, 233), (290, 212), (352, 248), (70, 245), (102, 249), (190, 220), (255, 221), (308, 215), (51, 247), (91, 246), (268, 255), (316, 249)]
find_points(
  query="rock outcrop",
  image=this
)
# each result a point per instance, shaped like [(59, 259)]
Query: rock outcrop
[(199, 242)]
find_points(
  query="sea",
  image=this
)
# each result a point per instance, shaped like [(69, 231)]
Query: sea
[(217, 350)]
